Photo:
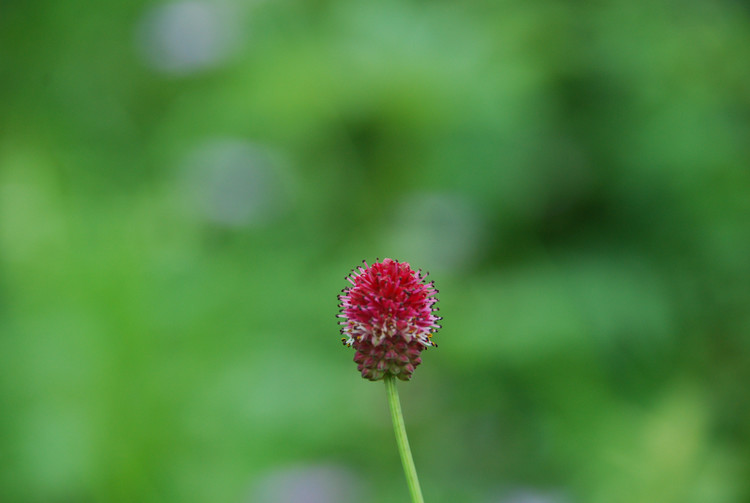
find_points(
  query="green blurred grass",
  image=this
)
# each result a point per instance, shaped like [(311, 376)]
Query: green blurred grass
[(574, 179)]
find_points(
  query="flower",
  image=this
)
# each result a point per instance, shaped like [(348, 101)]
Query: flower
[(388, 316)]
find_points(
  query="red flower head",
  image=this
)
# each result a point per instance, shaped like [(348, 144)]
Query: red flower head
[(388, 317)]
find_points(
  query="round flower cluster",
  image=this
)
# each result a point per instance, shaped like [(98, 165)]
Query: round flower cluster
[(388, 316)]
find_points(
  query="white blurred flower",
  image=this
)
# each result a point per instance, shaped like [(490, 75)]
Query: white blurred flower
[(443, 230), (532, 495), (234, 183), (185, 37), (308, 484)]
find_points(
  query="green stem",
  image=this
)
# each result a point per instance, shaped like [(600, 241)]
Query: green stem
[(403, 443)]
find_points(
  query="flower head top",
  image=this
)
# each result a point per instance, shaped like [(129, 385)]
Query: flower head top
[(388, 316)]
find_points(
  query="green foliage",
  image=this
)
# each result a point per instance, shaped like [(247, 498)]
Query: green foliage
[(575, 179)]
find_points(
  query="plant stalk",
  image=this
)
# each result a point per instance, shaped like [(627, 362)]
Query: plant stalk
[(403, 443)]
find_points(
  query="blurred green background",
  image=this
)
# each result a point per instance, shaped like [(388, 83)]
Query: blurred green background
[(184, 186)]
